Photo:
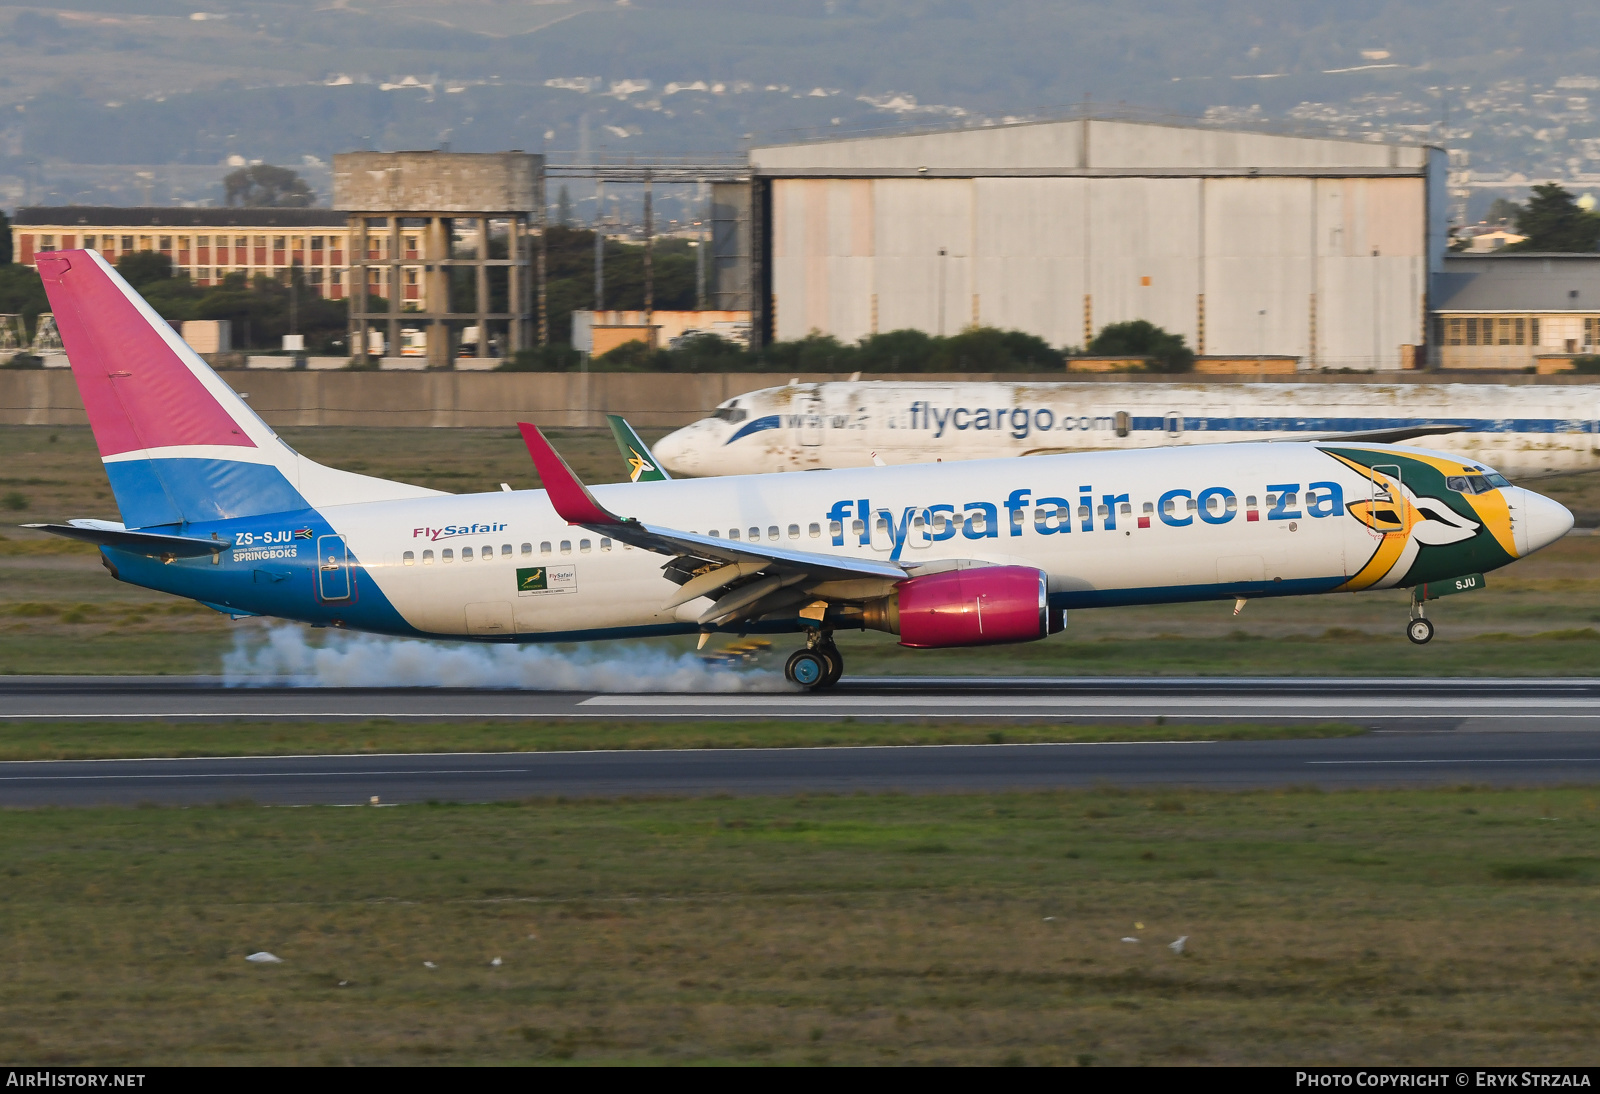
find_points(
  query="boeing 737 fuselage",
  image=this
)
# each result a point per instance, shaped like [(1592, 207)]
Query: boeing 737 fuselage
[(215, 507)]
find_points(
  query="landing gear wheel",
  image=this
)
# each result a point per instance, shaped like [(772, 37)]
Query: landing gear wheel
[(835, 664), (1419, 631), (808, 668)]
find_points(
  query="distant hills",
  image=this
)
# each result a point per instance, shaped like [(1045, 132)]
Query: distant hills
[(151, 82)]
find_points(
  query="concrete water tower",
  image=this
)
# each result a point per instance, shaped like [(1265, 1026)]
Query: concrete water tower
[(450, 241)]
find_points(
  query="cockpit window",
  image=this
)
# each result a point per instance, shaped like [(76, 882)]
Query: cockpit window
[(730, 413), (1476, 484)]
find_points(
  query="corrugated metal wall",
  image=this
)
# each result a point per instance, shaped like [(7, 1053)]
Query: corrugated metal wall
[(1332, 270)]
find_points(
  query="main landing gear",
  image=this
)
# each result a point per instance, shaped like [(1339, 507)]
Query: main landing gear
[(819, 665)]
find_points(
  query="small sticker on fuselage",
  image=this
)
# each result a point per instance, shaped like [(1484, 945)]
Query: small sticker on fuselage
[(533, 580)]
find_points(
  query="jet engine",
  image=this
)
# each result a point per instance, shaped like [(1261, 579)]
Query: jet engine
[(984, 606)]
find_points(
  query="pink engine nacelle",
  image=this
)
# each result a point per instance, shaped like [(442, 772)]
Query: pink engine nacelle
[(983, 606)]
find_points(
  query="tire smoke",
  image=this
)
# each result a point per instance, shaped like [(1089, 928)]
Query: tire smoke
[(282, 656)]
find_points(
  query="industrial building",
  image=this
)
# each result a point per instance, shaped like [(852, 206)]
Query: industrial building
[(205, 244), (1244, 242), (1516, 311)]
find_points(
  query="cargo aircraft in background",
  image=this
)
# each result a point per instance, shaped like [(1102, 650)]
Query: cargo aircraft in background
[(1525, 430), (216, 507)]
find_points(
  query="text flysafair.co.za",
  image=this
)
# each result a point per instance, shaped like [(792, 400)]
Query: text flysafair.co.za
[(1177, 508)]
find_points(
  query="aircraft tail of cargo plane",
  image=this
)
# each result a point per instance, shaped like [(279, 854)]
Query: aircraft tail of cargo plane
[(216, 507)]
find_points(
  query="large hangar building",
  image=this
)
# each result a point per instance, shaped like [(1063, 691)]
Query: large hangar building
[(1245, 242)]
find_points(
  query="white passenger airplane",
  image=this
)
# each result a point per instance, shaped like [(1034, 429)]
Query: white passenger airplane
[(1526, 431), (216, 507)]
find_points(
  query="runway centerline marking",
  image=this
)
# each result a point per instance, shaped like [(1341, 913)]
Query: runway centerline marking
[(256, 774), (1481, 760), (991, 702)]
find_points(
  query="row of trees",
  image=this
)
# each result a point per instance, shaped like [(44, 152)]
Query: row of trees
[(976, 349), (1552, 221)]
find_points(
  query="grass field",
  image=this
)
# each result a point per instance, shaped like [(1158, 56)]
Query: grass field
[(1441, 927), (75, 740), (60, 611)]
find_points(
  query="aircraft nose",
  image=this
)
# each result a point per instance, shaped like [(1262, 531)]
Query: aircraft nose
[(671, 451), (1540, 521)]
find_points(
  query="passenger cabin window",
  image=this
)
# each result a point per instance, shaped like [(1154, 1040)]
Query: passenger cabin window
[(488, 550), (1102, 511), (857, 527), (605, 545), (1232, 503), (447, 555), (816, 531), (794, 531), (584, 546), (566, 546), (527, 549), (1170, 506), (505, 550), (835, 529), (1083, 512), (772, 532), (733, 533), (1149, 508), (466, 554), (1272, 499), (427, 558), (1291, 500), (409, 558), (544, 547), (1250, 502), (755, 534), (1125, 509)]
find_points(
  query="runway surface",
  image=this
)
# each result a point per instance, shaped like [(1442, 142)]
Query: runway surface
[(1425, 732), (1376, 702)]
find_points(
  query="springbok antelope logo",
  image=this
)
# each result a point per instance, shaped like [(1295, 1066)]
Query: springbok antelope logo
[(1402, 523), (637, 464)]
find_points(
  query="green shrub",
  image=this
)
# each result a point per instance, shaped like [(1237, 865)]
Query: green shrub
[(1139, 338)]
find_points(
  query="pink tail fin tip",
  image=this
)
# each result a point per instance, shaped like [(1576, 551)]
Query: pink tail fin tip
[(137, 389)]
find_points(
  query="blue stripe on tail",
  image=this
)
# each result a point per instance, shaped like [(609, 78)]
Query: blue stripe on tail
[(177, 491)]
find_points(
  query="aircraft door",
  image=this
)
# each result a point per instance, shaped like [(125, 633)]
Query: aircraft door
[(333, 568), (1387, 513)]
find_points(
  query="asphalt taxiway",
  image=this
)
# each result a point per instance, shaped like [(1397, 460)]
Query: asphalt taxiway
[(1423, 732)]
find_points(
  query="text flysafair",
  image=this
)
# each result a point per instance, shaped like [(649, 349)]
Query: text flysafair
[(451, 530), (1089, 512)]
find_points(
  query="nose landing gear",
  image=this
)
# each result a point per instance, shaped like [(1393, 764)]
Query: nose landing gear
[(1419, 629), (819, 665)]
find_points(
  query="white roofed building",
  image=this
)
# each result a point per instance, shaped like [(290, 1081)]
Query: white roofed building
[(1243, 242)]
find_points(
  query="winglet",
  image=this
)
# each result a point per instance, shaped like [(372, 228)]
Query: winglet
[(572, 500)]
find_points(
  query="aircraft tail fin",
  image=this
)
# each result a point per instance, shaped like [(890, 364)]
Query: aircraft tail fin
[(642, 466), (179, 444)]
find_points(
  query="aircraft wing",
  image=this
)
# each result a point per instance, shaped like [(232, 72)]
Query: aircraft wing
[(1381, 436), (105, 533), (707, 563), (642, 466)]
